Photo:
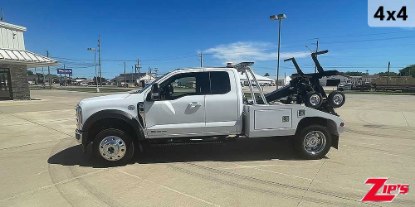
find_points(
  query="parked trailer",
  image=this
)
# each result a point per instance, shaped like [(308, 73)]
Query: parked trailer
[(394, 83)]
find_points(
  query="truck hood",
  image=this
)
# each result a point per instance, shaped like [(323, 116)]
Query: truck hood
[(112, 97), (113, 100)]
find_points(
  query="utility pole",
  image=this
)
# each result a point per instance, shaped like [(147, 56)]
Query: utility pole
[(132, 74), (156, 70), (138, 66), (99, 61), (125, 76), (387, 80), (64, 67), (201, 59), (43, 77), (49, 79)]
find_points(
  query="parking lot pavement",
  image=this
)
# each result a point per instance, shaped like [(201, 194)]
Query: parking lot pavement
[(43, 166)]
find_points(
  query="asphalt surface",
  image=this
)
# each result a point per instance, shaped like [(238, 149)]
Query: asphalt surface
[(41, 164)]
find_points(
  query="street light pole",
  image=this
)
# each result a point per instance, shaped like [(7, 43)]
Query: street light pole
[(278, 17)]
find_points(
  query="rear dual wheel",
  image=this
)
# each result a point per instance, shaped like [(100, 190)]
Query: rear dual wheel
[(313, 142)]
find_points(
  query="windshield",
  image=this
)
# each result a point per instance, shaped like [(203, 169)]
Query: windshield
[(148, 85)]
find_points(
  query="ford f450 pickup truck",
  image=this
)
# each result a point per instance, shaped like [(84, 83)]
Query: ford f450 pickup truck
[(199, 103)]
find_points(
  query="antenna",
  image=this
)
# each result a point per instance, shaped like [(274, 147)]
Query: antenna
[(1, 14)]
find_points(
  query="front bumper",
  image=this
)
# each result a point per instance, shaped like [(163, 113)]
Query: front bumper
[(81, 138), (78, 136)]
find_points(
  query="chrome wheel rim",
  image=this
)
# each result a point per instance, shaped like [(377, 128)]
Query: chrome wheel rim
[(314, 142), (314, 100), (337, 99), (112, 148)]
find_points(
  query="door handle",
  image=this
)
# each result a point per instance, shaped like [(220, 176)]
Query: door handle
[(194, 104)]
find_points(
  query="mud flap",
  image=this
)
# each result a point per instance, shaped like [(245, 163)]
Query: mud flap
[(335, 141)]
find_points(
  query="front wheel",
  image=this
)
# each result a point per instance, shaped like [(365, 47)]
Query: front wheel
[(313, 142), (113, 146)]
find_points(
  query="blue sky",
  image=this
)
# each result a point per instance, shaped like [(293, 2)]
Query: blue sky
[(168, 34)]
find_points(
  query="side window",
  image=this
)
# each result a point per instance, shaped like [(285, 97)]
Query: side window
[(219, 82), (186, 84)]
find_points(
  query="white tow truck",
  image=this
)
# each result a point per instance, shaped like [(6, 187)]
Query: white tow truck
[(199, 104)]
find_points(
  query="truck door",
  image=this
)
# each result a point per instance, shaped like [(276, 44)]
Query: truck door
[(222, 104), (181, 110)]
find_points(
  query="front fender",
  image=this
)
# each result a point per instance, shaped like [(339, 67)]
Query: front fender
[(132, 121)]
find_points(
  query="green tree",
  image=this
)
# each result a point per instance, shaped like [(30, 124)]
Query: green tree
[(29, 72), (354, 73), (266, 74), (408, 71)]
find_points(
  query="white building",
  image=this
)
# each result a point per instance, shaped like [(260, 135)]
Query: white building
[(147, 78), (14, 61), (262, 80)]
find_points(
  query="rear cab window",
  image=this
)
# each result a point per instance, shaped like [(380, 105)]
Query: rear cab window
[(219, 82)]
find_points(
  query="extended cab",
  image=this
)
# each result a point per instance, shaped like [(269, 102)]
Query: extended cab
[(201, 103)]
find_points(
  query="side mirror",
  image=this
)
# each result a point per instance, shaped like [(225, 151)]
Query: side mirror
[(142, 84), (155, 92)]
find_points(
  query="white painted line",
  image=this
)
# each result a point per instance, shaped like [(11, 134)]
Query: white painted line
[(406, 120), (271, 171), (304, 178), (295, 176), (252, 166), (52, 185), (168, 188)]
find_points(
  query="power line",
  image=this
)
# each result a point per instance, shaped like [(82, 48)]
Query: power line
[(370, 40), (358, 35), (128, 60)]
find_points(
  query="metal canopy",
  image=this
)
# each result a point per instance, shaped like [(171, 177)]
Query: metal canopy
[(30, 59)]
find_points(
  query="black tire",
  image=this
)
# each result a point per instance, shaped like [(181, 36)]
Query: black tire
[(121, 143), (336, 99), (318, 152), (313, 100)]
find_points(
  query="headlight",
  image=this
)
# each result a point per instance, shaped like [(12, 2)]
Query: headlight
[(78, 115)]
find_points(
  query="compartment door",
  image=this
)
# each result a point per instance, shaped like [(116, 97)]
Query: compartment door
[(272, 119)]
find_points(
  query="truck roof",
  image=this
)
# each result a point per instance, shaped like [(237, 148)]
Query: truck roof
[(205, 69)]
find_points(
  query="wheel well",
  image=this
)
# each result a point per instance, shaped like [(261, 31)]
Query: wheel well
[(106, 123), (331, 126)]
